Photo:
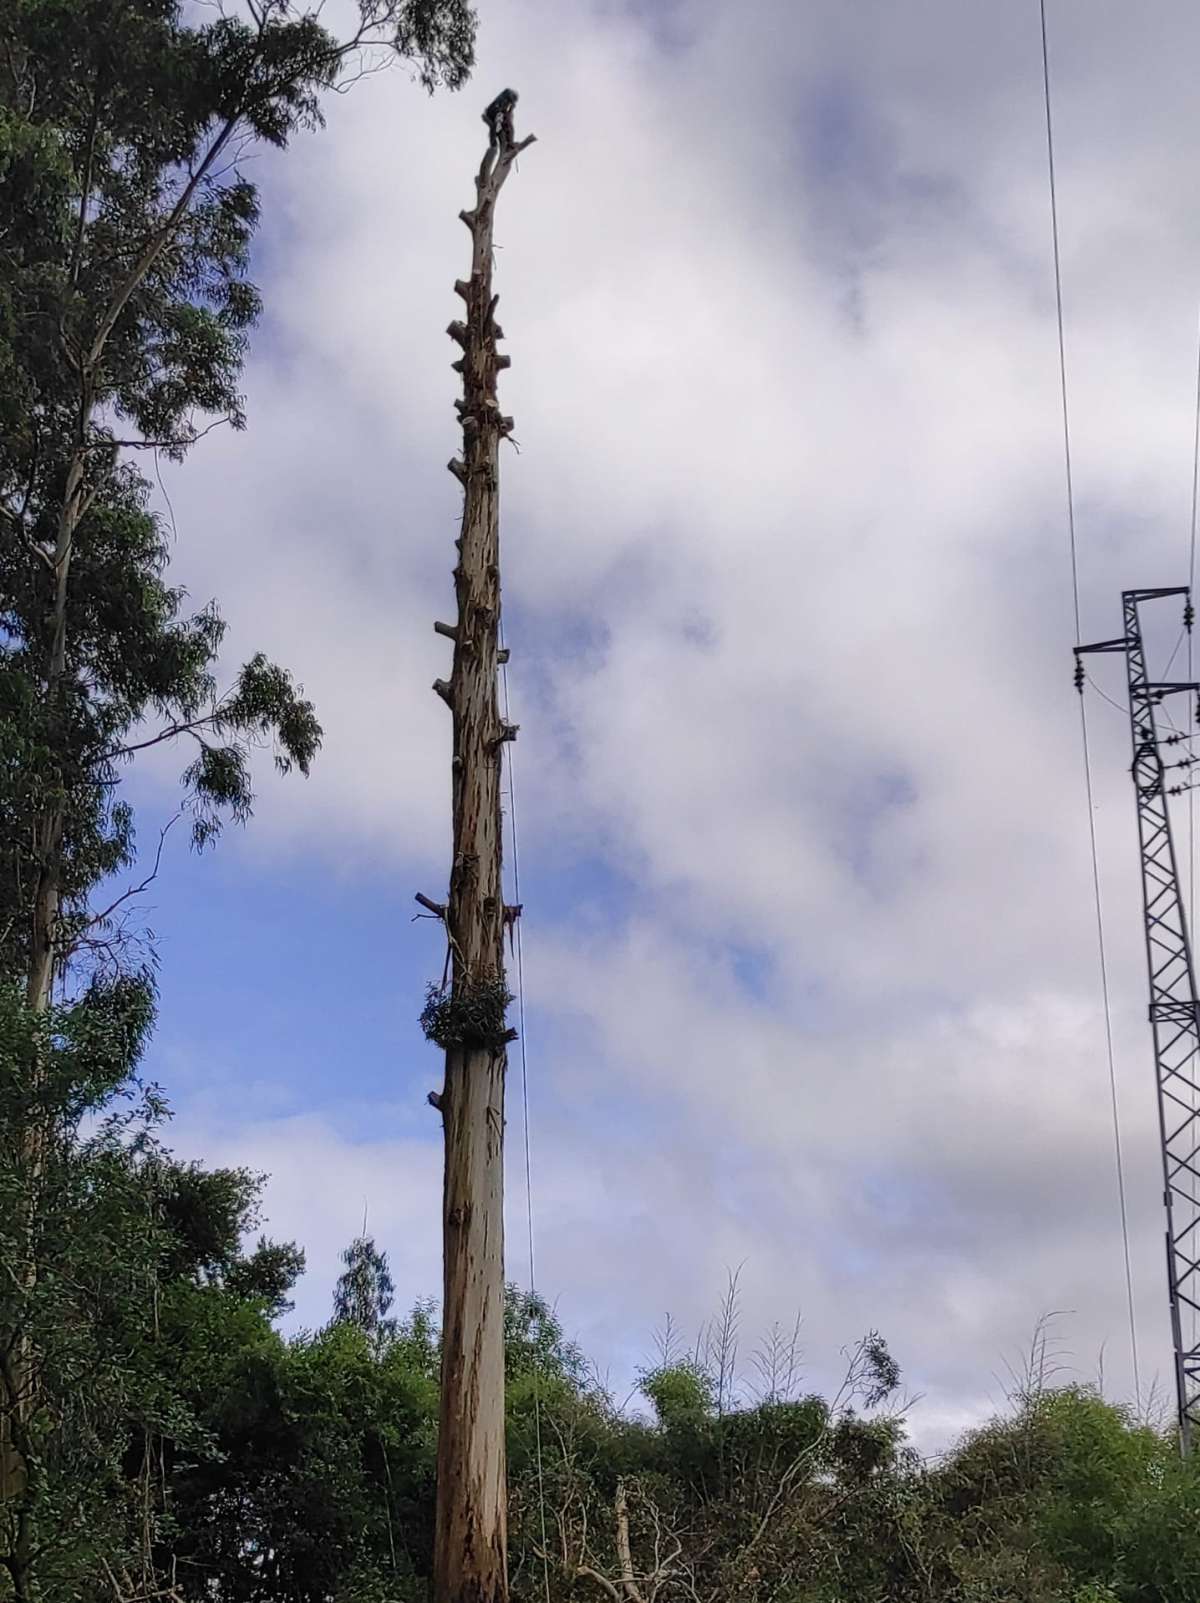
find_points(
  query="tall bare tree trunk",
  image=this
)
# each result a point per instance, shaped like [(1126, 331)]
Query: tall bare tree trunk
[(470, 1545)]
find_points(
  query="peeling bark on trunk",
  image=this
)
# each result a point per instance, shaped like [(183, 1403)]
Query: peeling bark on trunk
[(470, 1544)]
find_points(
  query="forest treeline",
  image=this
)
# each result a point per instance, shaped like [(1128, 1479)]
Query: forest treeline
[(189, 1451), (160, 1439)]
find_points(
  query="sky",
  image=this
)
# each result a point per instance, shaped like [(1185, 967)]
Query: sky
[(810, 949)]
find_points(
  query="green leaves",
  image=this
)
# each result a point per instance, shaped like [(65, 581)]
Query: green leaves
[(681, 1394), (364, 1293), (126, 1275), (135, 1343), (263, 708), (264, 705), (126, 221), (439, 37), (471, 1015)]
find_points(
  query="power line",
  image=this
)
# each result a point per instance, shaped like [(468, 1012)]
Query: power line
[(1195, 475), (1104, 696), (1174, 653), (1087, 762), (518, 947), (1190, 674), (1112, 1072), (1058, 301)]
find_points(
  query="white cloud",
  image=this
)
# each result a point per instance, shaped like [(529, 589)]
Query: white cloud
[(785, 381)]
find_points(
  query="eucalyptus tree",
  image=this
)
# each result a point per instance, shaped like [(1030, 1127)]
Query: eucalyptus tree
[(365, 1291), (125, 226), (126, 304)]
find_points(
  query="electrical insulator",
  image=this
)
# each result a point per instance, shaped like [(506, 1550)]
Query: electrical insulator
[(1079, 674), (1189, 615)]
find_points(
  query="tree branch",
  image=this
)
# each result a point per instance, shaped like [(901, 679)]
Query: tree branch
[(588, 1574), (85, 185), (135, 890), (158, 445), (191, 727), (629, 1588)]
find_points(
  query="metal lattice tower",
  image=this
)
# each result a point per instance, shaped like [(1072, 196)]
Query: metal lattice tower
[(1174, 1005)]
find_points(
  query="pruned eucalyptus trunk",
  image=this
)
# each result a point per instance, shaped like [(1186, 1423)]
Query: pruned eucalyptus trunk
[(470, 1552)]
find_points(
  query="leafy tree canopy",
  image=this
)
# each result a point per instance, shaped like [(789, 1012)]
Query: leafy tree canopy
[(126, 304)]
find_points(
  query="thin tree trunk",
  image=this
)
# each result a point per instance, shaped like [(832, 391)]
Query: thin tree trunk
[(49, 827), (17, 1490), (629, 1586), (45, 955), (470, 1546)]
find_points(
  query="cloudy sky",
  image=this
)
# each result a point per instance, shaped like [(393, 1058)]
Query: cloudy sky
[(810, 947)]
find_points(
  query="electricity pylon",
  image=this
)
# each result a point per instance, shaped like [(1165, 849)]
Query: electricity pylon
[(1174, 1005)]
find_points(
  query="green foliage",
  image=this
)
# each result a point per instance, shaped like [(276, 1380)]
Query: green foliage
[(364, 1293), (125, 228), (472, 1015), (535, 1345), (319, 1483), (82, 1213), (1056, 1500), (682, 1394), (1066, 1499), (324, 1448), (126, 222), (207, 1214), (126, 1278), (299, 1471)]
